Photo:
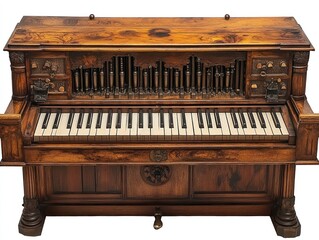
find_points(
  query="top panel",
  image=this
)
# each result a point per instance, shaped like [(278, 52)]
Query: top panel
[(134, 34)]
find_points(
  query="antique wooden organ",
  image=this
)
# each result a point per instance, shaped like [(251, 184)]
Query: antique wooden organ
[(159, 116)]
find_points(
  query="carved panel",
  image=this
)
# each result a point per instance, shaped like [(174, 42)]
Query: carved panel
[(11, 140), (47, 67), (155, 175)]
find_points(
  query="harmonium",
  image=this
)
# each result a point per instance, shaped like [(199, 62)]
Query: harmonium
[(159, 117)]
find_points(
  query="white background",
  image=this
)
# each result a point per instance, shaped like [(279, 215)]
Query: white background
[(11, 192)]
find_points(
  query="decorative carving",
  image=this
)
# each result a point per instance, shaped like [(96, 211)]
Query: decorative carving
[(16, 58), (31, 221), (285, 219), (40, 89), (158, 155), (155, 175), (301, 58), (47, 67)]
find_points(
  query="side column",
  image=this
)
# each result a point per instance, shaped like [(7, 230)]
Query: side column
[(32, 220), (284, 216)]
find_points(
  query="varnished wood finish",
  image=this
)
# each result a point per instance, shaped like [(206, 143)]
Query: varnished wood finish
[(158, 178)]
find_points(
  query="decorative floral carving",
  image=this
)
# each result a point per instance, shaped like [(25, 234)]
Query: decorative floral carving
[(16, 58), (301, 58), (158, 155), (155, 175)]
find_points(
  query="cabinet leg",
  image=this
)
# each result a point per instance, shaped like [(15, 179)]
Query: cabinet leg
[(32, 220), (285, 220)]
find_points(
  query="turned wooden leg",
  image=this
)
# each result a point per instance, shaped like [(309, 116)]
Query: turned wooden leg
[(284, 216), (32, 220)]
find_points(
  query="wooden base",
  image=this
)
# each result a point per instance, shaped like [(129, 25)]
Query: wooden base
[(32, 220), (285, 219)]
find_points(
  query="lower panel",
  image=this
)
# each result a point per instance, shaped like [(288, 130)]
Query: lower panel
[(166, 210)]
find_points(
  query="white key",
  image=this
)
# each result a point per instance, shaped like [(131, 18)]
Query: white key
[(167, 129), (181, 131), (283, 127), (144, 132), (224, 124), (276, 131), (39, 130), (155, 131), (103, 132), (232, 129), (93, 129), (249, 131), (74, 130), (113, 129), (240, 129), (62, 131), (197, 130), (259, 130), (189, 124), (48, 131), (133, 133), (267, 129), (205, 130), (175, 133), (123, 132), (83, 132), (214, 132)]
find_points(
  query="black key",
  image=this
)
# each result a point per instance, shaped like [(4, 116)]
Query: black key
[(46, 120), (261, 118), (109, 119), (200, 118), (234, 118), (70, 119), (140, 118), (57, 119), (209, 119), (162, 118), (150, 118), (251, 119), (275, 118), (183, 119), (217, 119), (99, 120), (80, 120), (130, 117), (170, 118), (119, 119), (242, 119), (89, 121)]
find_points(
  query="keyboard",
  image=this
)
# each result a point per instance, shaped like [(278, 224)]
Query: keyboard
[(170, 124)]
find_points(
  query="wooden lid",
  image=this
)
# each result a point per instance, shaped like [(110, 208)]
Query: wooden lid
[(142, 34)]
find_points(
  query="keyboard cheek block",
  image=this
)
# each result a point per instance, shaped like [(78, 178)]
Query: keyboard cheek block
[(159, 117)]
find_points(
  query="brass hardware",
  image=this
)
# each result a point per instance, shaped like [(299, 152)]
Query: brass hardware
[(47, 65), (259, 66), (270, 64), (254, 86), (283, 86), (263, 74), (158, 155), (279, 80), (158, 219), (34, 65), (283, 64), (61, 89)]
